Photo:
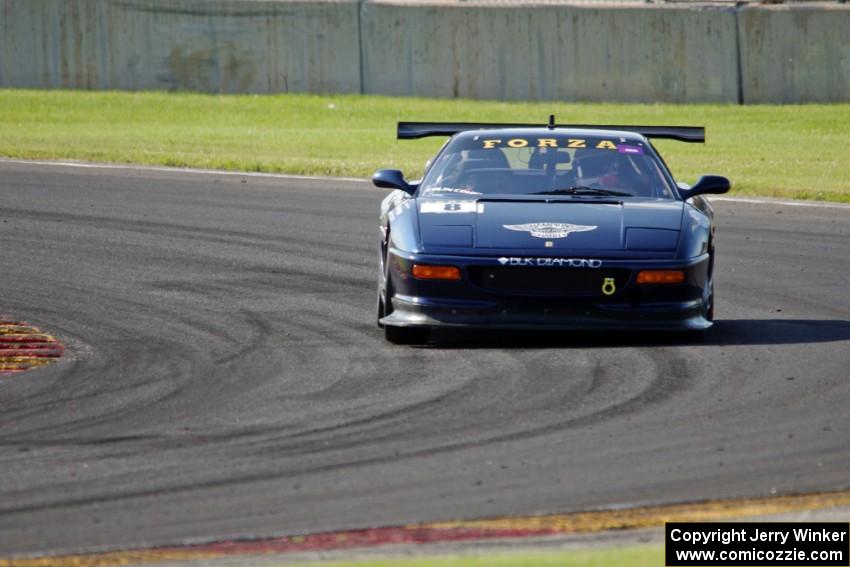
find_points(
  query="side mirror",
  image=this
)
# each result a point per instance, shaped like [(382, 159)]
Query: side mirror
[(392, 179), (707, 184)]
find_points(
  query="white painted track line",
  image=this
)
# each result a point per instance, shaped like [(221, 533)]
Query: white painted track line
[(186, 170)]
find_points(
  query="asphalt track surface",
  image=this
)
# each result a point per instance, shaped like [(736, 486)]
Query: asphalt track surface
[(224, 377)]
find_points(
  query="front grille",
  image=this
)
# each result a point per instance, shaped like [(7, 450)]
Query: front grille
[(547, 281)]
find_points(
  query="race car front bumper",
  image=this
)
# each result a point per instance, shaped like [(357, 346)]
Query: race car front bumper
[(471, 302)]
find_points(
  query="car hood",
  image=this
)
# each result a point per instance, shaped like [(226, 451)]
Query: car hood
[(549, 227)]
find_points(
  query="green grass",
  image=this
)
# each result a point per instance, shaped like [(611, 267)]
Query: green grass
[(782, 151), (638, 556)]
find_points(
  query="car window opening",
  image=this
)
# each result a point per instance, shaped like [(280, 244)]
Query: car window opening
[(528, 165)]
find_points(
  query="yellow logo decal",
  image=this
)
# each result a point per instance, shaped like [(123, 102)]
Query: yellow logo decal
[(574, 143), (608, 286)]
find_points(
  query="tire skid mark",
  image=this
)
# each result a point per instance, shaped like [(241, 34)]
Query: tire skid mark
[(467, 399), (115, 359), (475, 384), (229, 237)]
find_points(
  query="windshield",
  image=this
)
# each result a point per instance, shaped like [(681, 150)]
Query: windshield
[(546, 164)]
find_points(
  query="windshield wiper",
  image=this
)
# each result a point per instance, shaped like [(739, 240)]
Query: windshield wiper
[(583, 190)]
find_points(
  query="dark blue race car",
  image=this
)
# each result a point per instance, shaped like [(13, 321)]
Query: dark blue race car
[(549, 227)]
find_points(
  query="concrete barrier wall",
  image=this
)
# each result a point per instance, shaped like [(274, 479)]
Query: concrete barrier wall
[(795, 53), (564, 52), (445, 48), (203, 45)]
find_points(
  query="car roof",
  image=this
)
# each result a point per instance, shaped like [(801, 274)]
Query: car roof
[(526, 132)]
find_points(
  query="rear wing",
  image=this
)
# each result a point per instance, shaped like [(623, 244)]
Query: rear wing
[(414, 130)]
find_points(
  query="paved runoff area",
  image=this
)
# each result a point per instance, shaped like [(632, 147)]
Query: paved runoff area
[(223, 378)]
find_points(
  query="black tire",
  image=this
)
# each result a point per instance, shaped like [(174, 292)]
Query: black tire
[(406, 335), (380, 309), (709, 312), (385, 305)]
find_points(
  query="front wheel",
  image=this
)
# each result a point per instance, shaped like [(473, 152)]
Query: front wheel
[(406, 335), (709, 311), (380, 310), (384, 296), (708, 314)]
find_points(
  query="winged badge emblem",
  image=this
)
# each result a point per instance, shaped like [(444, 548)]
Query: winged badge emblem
[(549, 229)]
